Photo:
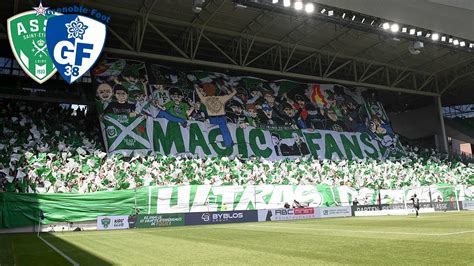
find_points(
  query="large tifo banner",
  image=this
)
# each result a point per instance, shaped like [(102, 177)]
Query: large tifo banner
[(173, 112), (206, 198)]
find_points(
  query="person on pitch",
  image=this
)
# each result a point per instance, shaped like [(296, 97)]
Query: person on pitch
[(416, 204)]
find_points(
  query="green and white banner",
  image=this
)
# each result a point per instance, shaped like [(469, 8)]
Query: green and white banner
[(144, 134), (206, 198), (215, 114)]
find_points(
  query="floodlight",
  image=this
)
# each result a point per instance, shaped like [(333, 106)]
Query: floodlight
[(324, 10), (274, 1), (443, 39), (419, 33), (462, 44), (394, 27), (435, 36), (330, 13), (386, 26), (298, 5), (450, 40), (404, 29), (456, 42), (286, 3), (309, 8), (412, 31)]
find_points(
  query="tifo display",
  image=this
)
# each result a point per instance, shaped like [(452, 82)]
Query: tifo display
[(208, 114), (47, 150), (193, 141)]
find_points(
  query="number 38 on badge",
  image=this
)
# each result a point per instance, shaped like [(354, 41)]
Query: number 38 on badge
[(74, 43)]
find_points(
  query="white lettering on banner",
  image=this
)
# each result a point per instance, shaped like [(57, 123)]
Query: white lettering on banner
[(308, 194), (281, 194), (201, 203), (344, 193), (165, 196), (247, 198), (389, 196), (206, 198), (228, 194), (262, 191)]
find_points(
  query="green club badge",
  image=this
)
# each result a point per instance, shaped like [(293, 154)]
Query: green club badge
[(27, 35), (105, 222)]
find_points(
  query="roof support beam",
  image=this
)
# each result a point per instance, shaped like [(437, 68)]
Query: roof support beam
[(261, 71), (219, 49), (371, 74), (120, 39), (451, 83), (301, 61), (338, 68), (427, 81), (155, 17), (203, 26), (400, 79), (145, 22), (168, 40)]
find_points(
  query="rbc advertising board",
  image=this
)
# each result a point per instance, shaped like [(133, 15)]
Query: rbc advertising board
[(286, 214)]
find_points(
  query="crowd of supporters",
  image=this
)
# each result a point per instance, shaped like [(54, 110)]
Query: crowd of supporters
[(50, 148)]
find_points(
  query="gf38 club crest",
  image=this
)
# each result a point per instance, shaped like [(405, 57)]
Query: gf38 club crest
[(74, 44)]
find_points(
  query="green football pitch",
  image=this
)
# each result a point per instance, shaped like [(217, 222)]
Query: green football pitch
[(438, 238)]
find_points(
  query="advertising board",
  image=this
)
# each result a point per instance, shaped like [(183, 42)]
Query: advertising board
[(159, 220), (286, 214), (112, 222), (195, 218), (331, 212)]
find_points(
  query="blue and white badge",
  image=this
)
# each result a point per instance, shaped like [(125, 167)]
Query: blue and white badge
[(74, 44)]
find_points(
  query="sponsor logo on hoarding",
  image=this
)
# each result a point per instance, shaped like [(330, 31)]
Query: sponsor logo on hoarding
[(112, 222), (159, 220), (286, 214), (467, 205), (303, 211), (327, 212), (105, 222), (220, 217)]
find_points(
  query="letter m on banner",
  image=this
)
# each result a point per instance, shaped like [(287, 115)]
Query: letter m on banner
[(125, 135)]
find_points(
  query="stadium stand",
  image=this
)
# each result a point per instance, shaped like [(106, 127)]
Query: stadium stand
[(46, 149)]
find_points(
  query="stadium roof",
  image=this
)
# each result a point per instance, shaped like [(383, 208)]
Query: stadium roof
[(283, 44)]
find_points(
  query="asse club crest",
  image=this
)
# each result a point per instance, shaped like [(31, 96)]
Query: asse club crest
[(27, 35), (45, 41)]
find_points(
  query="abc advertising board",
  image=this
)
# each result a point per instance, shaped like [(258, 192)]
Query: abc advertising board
[(112, 222), (195, 218), (159, 220), (286, 214)]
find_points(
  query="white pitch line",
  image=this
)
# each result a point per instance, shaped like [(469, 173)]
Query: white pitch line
[(74, 263), (362, 231)]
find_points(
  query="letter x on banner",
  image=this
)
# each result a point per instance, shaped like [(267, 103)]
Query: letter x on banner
[(127, 131)]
